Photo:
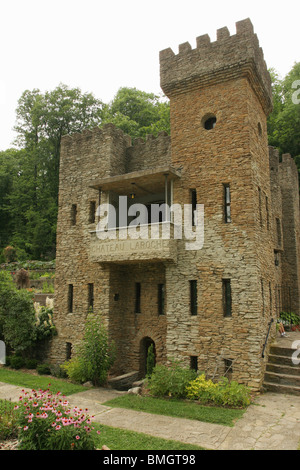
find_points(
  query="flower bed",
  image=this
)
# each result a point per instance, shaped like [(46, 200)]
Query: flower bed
[(47, 422)]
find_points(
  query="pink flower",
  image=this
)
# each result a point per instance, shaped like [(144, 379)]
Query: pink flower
[(25, 428), (77, 437), (58, 427)]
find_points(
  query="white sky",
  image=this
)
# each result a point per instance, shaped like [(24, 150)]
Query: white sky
[(102, 45)]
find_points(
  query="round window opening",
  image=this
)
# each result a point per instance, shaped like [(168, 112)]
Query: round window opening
[(210, 123)]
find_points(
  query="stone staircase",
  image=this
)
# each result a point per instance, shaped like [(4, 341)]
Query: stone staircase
[(282, 376)]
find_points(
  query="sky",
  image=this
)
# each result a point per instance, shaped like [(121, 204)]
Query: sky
[(100, 46)]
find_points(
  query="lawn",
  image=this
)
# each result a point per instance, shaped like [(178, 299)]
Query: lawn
[(120, 439), (178, 408), (113, 438), (29, 380)]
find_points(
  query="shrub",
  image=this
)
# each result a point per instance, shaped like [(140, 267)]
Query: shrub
[(223, 393), (22, 279), (289, 318), (10, 254), (17, 362), (170, 380), (150, 361), (47, 422), (95, 354), (31, 363), (43, 369), (75, 370)]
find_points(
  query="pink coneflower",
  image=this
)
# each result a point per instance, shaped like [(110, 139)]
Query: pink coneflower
[(58, 427), (77, 437), (25, 428)]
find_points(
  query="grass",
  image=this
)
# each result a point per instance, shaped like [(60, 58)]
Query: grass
[(178, 408), (27, 380), (119, 439), (113, 438)]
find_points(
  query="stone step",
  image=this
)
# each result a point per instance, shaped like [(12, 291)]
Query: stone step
[(283, 379), (282, 360), (283, 389), (278, 351), (283, 369), (125, 381)]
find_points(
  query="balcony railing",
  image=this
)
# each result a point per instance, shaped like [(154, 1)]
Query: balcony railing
[(149, 242)]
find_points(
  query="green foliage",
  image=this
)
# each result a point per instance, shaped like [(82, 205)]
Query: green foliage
[(43, 369), (138, 113), (150, 361), (8, 421), (94, 355), (45, 328), (170, 380), (284, 121), (289, 318), (222, 393), (47, 422), (17, 362), (16, 315)]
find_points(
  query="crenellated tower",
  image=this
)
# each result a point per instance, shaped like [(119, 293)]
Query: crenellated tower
[(220, 97)]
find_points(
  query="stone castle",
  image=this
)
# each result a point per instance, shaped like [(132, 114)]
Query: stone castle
[(210, 307)]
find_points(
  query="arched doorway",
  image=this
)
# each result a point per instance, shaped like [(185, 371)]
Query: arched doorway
[(144, 347)]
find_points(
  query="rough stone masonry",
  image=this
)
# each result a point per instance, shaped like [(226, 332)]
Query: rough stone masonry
[(208, 307)]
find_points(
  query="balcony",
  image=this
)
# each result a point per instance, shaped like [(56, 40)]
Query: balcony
[(144, 243), (124, 237)]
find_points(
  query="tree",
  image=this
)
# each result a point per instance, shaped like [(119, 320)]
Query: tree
[(138, 113), (29, 177), (284, 122)]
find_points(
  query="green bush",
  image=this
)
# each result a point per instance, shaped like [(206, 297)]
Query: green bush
[(222, 393), (31, 363), (170, 380), (75, 370), (46, 422), (94, 355), (17, 362), (43, 369), (289, 318)]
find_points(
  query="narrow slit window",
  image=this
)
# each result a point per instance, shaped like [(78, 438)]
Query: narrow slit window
[(73, 214), (194, 363), (161, 299), (68, 351), (228, 368), (194, 206), (137, 297), (193, 297), (259, 207), (227, 301), (227, 203), (91, 296), (70, 298), (92, 212), (267, 211), (262, 296), (278, 228)]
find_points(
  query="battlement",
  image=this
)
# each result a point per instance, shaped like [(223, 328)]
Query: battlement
[(104, 132), (227, 58)]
